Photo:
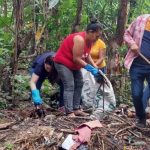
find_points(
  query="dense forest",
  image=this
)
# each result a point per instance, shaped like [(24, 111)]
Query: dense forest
[(29, 28)]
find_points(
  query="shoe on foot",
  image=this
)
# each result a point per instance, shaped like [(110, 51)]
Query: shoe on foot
[(141, 123), (80, 113)]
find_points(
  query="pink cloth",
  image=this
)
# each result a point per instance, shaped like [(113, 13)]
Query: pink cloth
[(84, 135), (84, 132), (93, 124), (133, 35)]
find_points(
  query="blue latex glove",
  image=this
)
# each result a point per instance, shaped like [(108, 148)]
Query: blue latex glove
[(91, 69), (95, 72), (36, 97)]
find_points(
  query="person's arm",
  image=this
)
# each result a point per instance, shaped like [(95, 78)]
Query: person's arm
[(34, 91), (90, 60), (128, 37), (33, 81), (78, 50), (102, 54)]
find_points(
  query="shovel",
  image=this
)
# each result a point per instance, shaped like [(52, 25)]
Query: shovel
[(144, 58)]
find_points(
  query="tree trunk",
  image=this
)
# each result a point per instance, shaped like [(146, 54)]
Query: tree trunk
[(18, 6), (121, 21), (45, 32), (5, 8), (18, 15), (112, 51), (78, 16)]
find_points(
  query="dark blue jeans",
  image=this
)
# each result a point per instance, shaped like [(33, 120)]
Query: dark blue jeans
[(139, 73), (146, 96), (61, 100)]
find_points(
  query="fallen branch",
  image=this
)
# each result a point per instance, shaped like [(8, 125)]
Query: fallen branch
[(110, 143), (3, 137), (134, 134), (129, 127), (103, 145), (6, 125), (27, 57), (68, 131)]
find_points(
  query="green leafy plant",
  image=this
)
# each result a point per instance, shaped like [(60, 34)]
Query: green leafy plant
[(3, 104), (49, 89), (9, 146), (21, 84)]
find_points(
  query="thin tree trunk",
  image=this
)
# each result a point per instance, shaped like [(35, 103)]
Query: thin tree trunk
[(78, 16), (5, 12), (121, 21), (112, 51), (18, 15), (5, 8), (18, 6)]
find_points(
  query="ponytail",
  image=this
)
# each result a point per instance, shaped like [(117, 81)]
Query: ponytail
[(94, 25)]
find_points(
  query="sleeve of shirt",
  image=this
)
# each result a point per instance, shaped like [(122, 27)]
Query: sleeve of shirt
[(128, 35), (101, 44), (38, 70)]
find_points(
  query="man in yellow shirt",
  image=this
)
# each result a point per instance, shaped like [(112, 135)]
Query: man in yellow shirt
[(97, 53)]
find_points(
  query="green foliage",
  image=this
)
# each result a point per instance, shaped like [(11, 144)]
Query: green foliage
[(4, 56), (9, 146), (21, 84), (142, 7), (6, 39), (49, 89), (137, 8), (61, 23), (105, 11), (3, 105), (4, 21)]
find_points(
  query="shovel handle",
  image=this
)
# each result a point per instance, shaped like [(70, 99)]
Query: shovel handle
[(144, 58)]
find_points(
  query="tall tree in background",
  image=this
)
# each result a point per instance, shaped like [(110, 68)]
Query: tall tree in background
[(121, 21), (78, 16), (18, 6), (117, 39), (5, 8)]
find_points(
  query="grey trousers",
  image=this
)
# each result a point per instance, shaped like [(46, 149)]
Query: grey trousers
[(73, 82)]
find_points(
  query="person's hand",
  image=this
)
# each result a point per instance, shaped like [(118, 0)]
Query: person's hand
[(36, 97), (95, 72), (91, 69), (99, 78), (134, 48), (95, 66)]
